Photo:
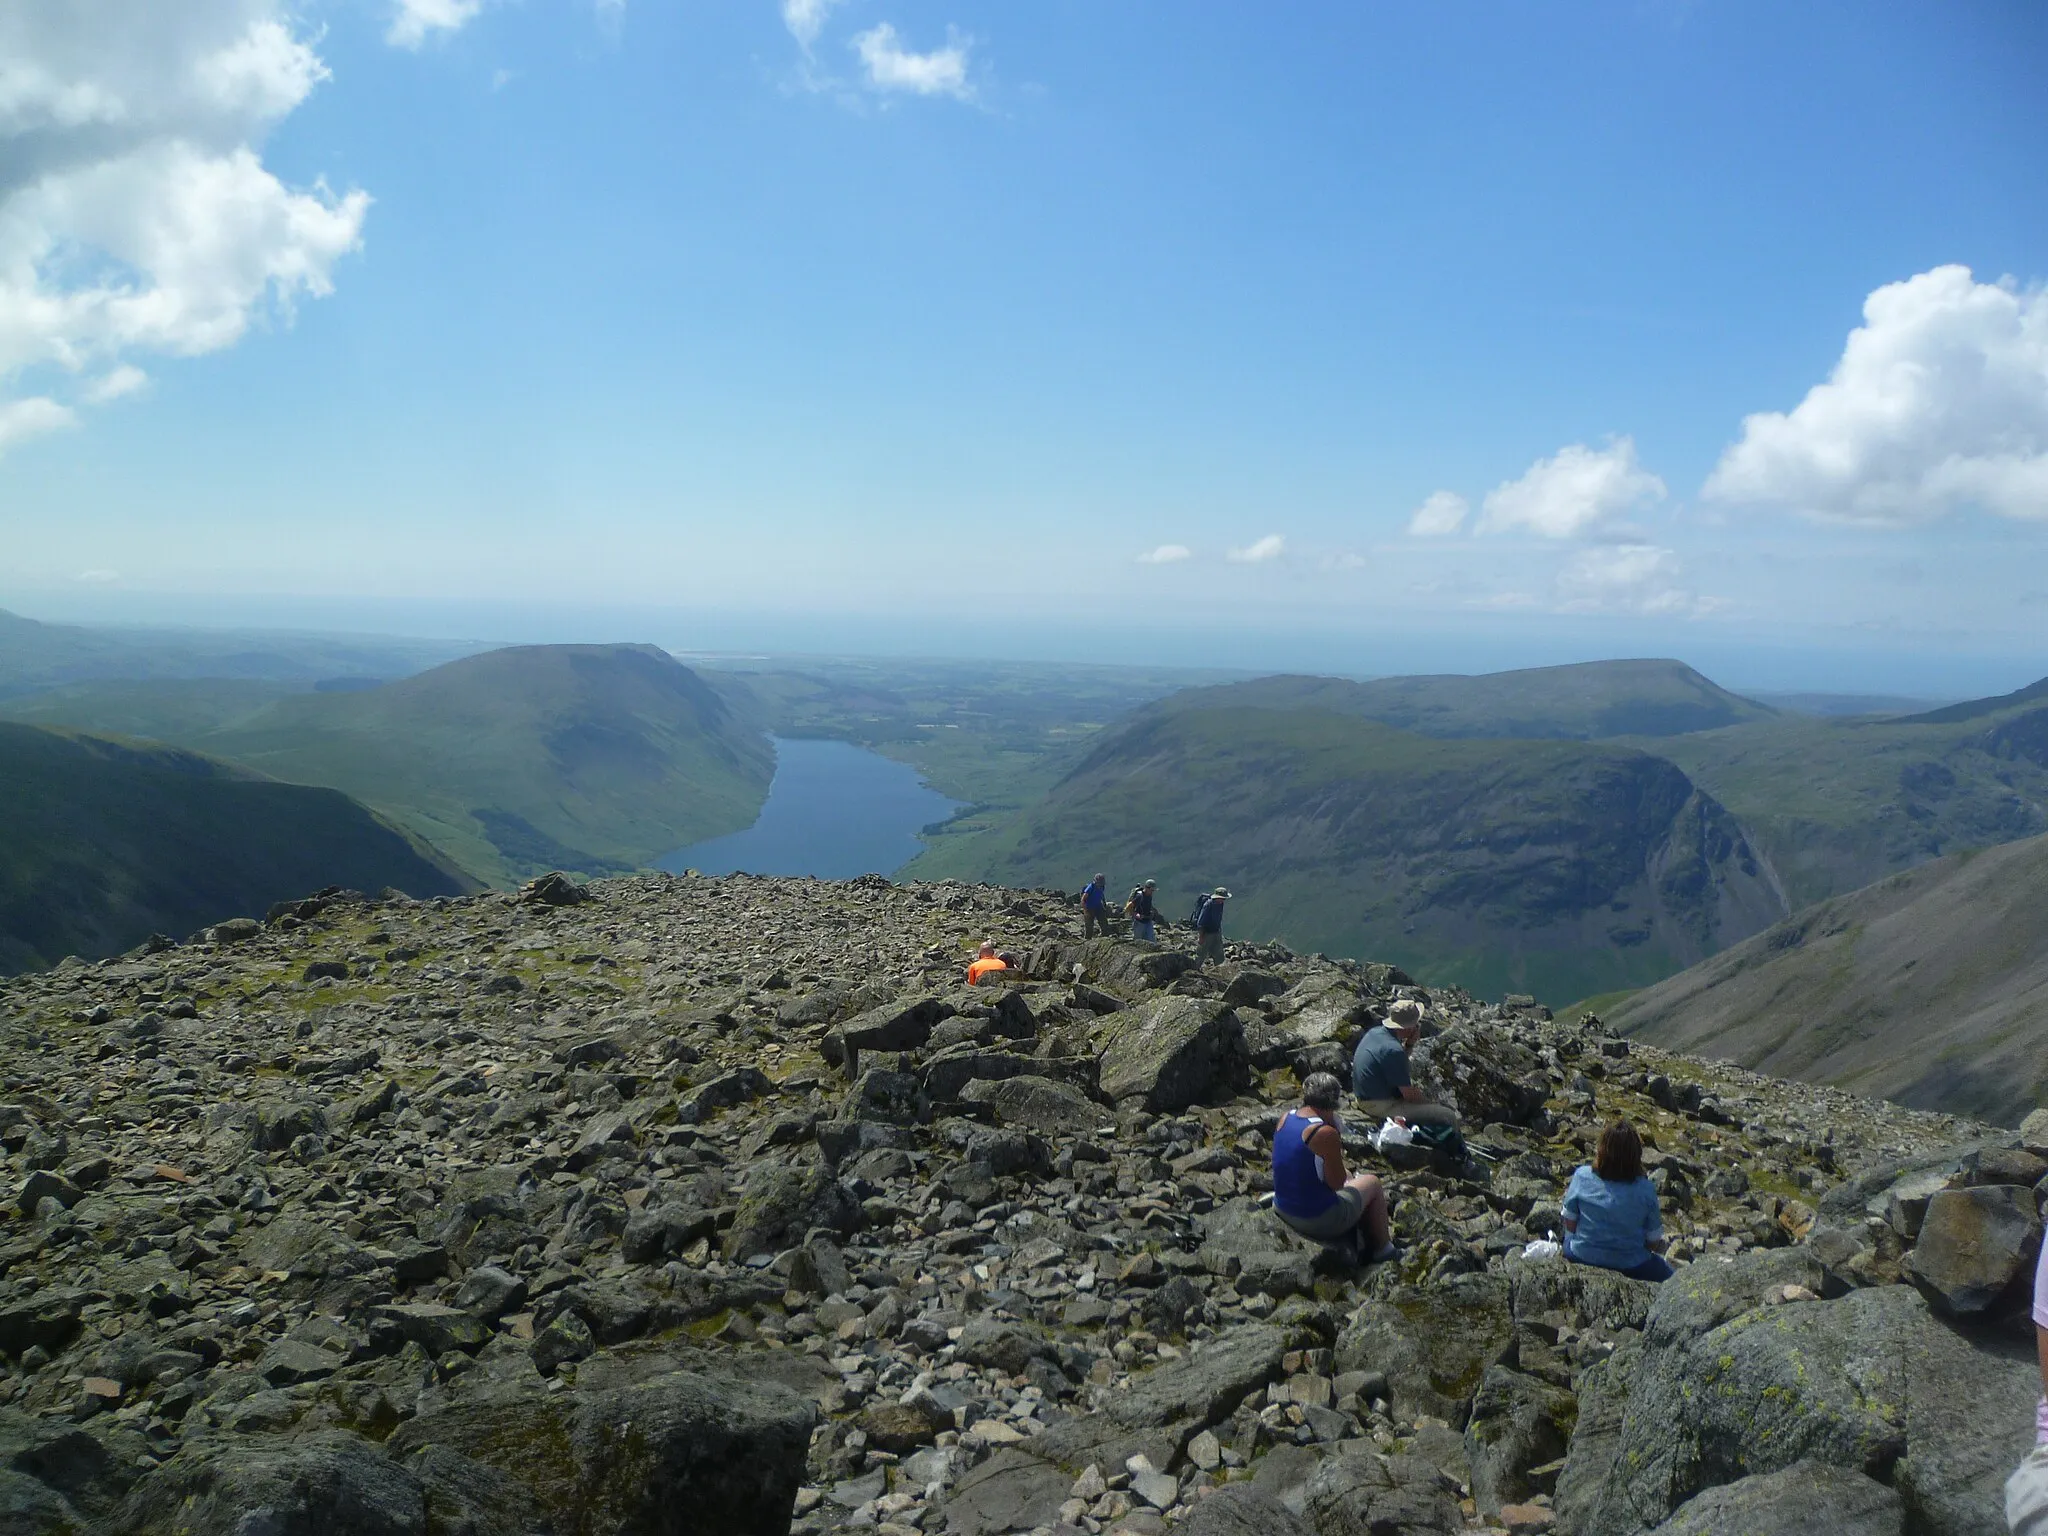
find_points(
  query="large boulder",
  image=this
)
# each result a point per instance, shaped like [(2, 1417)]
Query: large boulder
[(1367, 1494), (1434, 1343), (1975, 1246), (781, 1206), (1484, 1075), (1242, 1510), (1323, 1008), (1245, 1242), (1517, 1423), (1207, 1382), (902, 1025), (1044, 1105), (1173, 1052), (1805, 1499), (1870, 1382), (674, 1454), (1012, 1491), (326, 1484)]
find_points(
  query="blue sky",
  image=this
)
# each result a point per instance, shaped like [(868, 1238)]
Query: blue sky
[(1137, 331)]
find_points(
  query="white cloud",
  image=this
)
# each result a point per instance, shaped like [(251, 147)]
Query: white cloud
[(414, 21), (118, 383), (1441, 513), (135, 211), (806, 19), (1166, 554), (98, 577), (21, 420), (1271, 547), (892, 67), (1578, 491), (1628, 578), (1938, 402)]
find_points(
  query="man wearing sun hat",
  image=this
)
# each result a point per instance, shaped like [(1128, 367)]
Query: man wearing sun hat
[(1209, 926)]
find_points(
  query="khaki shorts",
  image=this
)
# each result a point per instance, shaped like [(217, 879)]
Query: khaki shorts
[(1416, 1114), (1333, 1223)]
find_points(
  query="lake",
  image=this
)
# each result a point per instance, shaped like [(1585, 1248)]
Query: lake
[(834, 811)]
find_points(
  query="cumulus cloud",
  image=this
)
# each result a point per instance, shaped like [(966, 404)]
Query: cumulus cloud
[(414, 21), (135, 211), (1271, 547), (1576, 492), (1627, 578), (21, 420), (806, 19), (892, 67), (1441, 513), (1938, 402), (116, 384), (1166, 554)]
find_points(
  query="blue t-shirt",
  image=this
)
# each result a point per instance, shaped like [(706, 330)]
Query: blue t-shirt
[(1616, 1222), (1379, 1067), (1091, 896)]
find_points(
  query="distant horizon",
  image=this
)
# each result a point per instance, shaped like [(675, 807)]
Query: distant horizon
[(1933, 677)]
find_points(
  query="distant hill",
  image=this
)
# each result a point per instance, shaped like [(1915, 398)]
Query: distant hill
[(1835, 804), (35, 655), (103, 843), (1558, 867), (581, 757), (1588, 702), (1929, 988)]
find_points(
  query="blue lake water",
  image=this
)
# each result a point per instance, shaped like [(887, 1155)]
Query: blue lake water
[(834, 811)]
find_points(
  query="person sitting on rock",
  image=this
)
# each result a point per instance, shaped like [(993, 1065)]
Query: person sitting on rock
[(1379, 1071), (985, 962), (1094, 907), (1312, 1192), (1610, 1210)]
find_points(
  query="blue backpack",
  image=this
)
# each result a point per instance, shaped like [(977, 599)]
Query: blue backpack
[(1201, 906)]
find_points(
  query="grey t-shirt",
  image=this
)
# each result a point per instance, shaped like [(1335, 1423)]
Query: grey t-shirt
[(1379, 1068)]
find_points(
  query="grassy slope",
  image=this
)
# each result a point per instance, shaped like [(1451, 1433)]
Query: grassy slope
[(1930, 987), (1504, 866), (590, 757), (103, 843), (1587, 702)]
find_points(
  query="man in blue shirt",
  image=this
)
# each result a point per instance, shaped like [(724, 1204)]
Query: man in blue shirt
[(1379, 1070), (1094, 915)]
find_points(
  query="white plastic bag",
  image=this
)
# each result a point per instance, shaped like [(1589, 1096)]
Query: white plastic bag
[(1542, 1248), (1393, 1134)]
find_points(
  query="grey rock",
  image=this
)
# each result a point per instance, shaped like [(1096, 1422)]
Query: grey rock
[(781, 1206), (1006, 1347), (1517, 1423), (1011, 1491), (488, 1292), (903, 1025), (1804, 1499), (1173, 1052), (1240, 1510), (1207, 1382), (324, 1484), (1974, 1245), (1367, 1494), (1245, 1241), (1434, 1343), (1041, 1104)]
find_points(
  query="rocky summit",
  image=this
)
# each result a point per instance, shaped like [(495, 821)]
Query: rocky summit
[(672, 1205)]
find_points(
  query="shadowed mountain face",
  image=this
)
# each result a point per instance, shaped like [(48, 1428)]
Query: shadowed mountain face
[(103, 843), (1589, 702), (1930, 988), (1557, 867)]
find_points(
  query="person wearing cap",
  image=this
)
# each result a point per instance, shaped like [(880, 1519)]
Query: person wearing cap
[(1094, 911), (1209, 926), (1144, 915), (1313, 1192), (1379, 1070)]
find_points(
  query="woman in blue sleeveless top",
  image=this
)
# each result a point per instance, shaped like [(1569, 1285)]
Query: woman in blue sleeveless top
[(1312, 1191)]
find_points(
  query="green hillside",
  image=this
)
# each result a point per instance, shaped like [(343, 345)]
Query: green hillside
[(103, 843), (1930, 987), (591, 758), (1587, 702), (34, 655), (1557, 867), (1835, 804)]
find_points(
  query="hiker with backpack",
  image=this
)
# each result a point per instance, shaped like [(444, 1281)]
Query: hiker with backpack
[(1313, 1192), (1094, 908), (1379, 1071), (1143, 914), (2026, 1491), (1208, 925)]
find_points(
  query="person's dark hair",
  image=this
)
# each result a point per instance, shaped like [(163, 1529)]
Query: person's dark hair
[(1619, 1157), (1320, 1090)]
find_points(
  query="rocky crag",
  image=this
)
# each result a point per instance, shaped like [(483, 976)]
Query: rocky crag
[(682, 1205)]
